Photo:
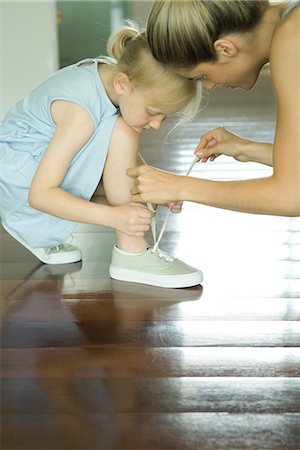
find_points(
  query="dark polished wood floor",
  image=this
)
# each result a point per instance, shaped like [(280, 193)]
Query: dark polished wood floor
[(92, 363)]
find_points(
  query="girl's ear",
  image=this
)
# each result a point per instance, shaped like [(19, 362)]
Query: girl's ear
[(121, 83), (225, 48)]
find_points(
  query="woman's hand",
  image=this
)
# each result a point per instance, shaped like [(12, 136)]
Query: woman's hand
[(133, 219), (221, 142), (155, 186)]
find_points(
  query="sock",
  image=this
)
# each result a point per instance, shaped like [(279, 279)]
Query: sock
[(131, 253)]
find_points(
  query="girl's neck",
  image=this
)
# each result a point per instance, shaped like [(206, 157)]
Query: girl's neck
[(107, 74)]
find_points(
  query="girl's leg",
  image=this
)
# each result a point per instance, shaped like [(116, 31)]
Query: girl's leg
[(122, 154), (130, 261)]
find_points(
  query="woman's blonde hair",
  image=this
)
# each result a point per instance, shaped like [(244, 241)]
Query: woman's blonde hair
[(131, 53), (181, 33)]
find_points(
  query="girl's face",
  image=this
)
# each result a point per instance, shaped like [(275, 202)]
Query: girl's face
[(138, 112)]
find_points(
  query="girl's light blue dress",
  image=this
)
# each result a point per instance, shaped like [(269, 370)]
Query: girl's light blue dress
[(25, 135)]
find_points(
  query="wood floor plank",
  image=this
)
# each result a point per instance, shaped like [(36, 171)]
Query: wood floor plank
[(150, 395), (161, 306), (152, 431), (153, 334), (141, 362)]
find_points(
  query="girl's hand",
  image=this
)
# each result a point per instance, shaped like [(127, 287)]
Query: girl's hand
[(221, 142), (133, 219), (176, 207)]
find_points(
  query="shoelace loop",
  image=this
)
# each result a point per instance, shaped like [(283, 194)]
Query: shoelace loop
[(161, 254)]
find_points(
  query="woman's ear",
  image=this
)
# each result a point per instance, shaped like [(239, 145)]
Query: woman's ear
[(121, 83), (225, 48)]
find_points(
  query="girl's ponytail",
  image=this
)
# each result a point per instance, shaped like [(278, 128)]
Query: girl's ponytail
[(118, 42)]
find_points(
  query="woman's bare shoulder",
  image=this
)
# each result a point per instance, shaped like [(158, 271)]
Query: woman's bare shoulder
[(287, 32)]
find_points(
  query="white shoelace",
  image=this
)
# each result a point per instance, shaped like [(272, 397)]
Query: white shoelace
[(162, 254), (156, 240)]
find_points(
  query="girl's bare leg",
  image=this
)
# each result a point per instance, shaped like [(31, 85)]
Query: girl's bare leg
[(122, 155)]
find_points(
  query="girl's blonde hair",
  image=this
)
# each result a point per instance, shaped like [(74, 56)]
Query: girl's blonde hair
[(131, 53), (181, 33)]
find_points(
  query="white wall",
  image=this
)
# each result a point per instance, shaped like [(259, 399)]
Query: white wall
[(28, 47)]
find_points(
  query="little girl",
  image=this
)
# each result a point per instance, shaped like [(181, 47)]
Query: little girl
[(81, 124)]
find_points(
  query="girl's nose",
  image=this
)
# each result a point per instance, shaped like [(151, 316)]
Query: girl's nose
[(156, 123)]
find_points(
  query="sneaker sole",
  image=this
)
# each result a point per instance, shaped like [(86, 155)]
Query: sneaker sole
[(178, 281), (75, 255)]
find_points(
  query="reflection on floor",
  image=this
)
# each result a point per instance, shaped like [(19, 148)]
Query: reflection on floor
[(92, 363)]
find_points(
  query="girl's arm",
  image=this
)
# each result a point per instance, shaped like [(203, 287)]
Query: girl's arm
[(278, 194), (222, 142), (74, 128)]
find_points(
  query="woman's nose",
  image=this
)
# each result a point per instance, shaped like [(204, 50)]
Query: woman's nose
[(210, 85)]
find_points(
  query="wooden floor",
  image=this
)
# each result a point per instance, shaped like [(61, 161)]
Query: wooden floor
[(91, 363)]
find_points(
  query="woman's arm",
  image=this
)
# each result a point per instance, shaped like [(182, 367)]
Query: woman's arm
[(157, 186), (222, 142), (285, 70), (74, 129)]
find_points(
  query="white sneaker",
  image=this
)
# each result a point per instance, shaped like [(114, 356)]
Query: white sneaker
[(154, 268), (62, 254)]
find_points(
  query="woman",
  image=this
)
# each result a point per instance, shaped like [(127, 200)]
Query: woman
[(226, 43)]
